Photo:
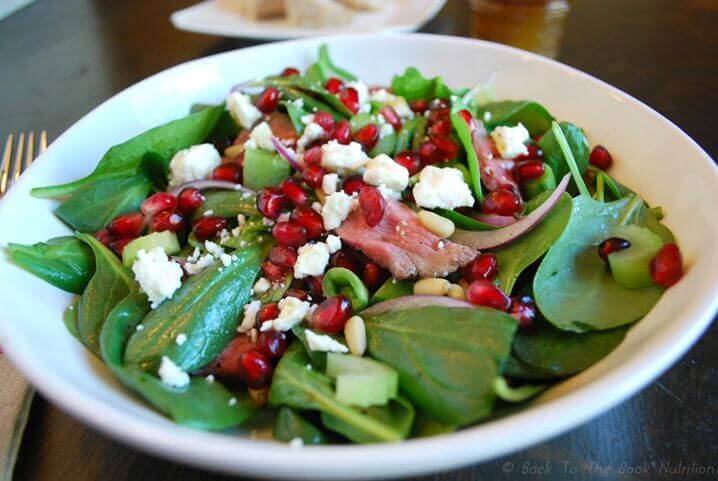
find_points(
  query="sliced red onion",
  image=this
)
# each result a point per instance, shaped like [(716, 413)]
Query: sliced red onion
[(413, 302), (496, 220), (210, 184), (495, 172), (489, 239), (286, 153), (242, 85)]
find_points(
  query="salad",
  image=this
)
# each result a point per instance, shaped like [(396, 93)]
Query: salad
[(350, 263)]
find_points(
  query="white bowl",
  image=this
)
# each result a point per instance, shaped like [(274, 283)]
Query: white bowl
[(652, 155)]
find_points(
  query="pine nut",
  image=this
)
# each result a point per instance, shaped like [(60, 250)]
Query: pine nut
[(436, 224), (233, 150), (355, 335), (456, 292), (432, 287)]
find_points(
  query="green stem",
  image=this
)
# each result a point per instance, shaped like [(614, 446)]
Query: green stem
[(515, 395), (635, 203), (599, 189), (563, 143)]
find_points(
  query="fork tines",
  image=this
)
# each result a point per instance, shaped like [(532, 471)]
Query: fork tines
[(18, 155)]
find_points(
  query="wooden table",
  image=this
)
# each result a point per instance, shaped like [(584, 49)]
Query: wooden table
[(60, 58)]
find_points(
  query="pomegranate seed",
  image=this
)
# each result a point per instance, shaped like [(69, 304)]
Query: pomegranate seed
[(314, 284), (483, 293), (166, 220), (372, 204), (189, 200), (283, 256), (523, 310), (485, 266), (105, 236), (289, 71), (269, 202), (350, 98), (330, 316), (343, 132), (293, 192), (256, 369), (530, 169), (272, 344), (368, 136), (289, 234), (273, 272), (207, 227), (312, 155), (228, 172), (118, 246), (298, 293), (128, 225), (611, 245), (468, 118), (325, 120), (311, 220), (267, 312), (157, 203), (391, 116), (439, 114), (534, 153), (410, 160), (419, 106), (268, 100), (373, 274), (353, 184), (502, 202), (313, 174), (345, 260), (440, 128), (429, 153), (600, 157), (334, 85), (448, 147), (667, 266)]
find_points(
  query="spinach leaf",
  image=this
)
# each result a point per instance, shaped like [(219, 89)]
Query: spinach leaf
[(518, 255), (154, 167), (574, 290), (297, 385), (94, 205), (228, 203), (291, 425), (425, 426), (553, 155), (472, 160), (310, 103), (108, 286), (310, 87), (391, 289), (560, 353), (295, 115), (206, 309), (264, 169), (447, 359), (410, 130), (532, 115), (201, 404), (464, 221), (123, 159), (69, 318), (515, 368), (398, 415), (324, 69), (413, 86), (385, 145), (64, 262)]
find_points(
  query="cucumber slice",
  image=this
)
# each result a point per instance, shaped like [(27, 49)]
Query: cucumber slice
[(338, 364), (166, 239), (263, 169), (534, 187), (631, 267), (373, 388)]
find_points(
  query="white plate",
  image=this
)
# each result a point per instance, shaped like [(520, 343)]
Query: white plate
[(645, 144), (209, 17)]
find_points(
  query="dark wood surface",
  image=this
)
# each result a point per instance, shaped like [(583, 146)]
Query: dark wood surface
[(59, 58)]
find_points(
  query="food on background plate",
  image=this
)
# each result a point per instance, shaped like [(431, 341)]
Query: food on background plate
[(358, 263), (304, 13)]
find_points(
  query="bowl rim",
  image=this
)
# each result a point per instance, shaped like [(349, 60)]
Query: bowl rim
[(224, 453)]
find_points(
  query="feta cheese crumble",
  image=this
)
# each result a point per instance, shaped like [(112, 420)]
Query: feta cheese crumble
[(157, 275), (296, 443), (383, 171), (510, 141), (291, 313), (334, 243), (312, 133), (336, 208), (312, 260), (444, 188), (171, 374), (181, 339), (324, 343), (250, 316), (261, 286), (218, 252), (193, 163), (341, 158), (242, 110), (260, 137), (330, 183)]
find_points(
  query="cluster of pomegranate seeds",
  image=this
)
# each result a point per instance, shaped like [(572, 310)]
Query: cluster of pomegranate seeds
[(310, 219), (611, 245), (268, 100), (372, 204), (528, 170), (600, 157), (283, 256), (448, 147), (667, 266), (166, 220), (313, 173), (502, 202), (419, 106), (534, 153), (350, 98), (391, 117), (484, 293), (367, 136), (230, 172), (189, 200), (485, 266), (523, 309), (429, 153), (269, 202), (293, 191), (256, 369), (334, 85), (272, 344), (157, 203), (353, 184), (208, 227), (289, 234), (325, 121), (289, 71), (409, 160), (330, 316), (127, 225), (441, 127), (343, 132)]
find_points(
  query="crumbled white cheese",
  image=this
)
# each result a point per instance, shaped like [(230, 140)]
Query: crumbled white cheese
[(157, 275), (242, 110), (398, 103), (193, 163), (267, 221), (444, 188), (336, 208), (386, 129), (261, 286), (250, 316), (383, 171), (291, 313), (510, 141), (334, 243), (312, 260), (241, 220), (284, 217), (487, 116), (181, 339), (171, 374), (341, 158), (261, 137), (209, 378), (323, 343), (218, 252), (139, 327), (317, 207), (232, 401), (311, 134), (307, 119), (200, 263), (298, 103), (330, 183), (296, 443), (208, 213)]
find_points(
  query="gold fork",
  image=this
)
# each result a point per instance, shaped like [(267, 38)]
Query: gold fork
[(12, 166)]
